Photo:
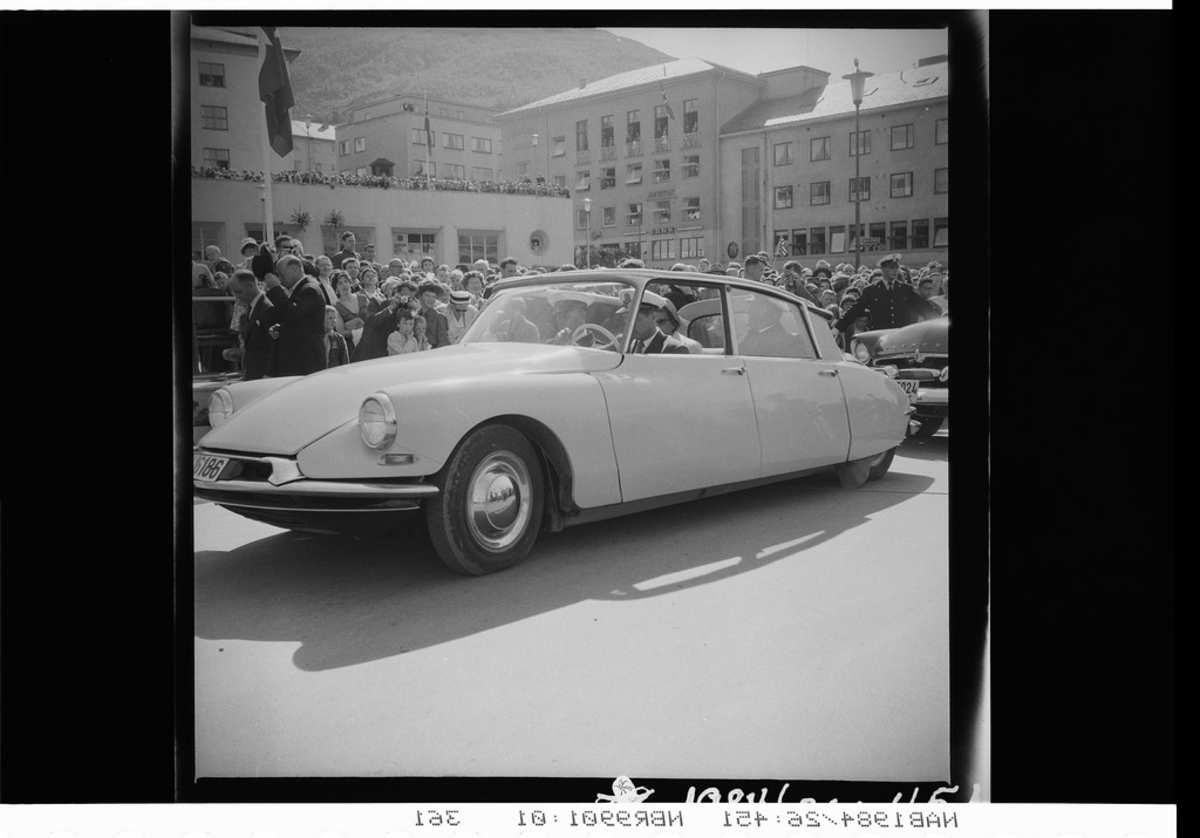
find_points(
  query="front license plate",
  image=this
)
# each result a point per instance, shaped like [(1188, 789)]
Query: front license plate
[(205, 467), (909, 386)]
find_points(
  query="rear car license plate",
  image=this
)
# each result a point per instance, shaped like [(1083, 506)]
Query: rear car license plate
[(206, 468), (909, 386)]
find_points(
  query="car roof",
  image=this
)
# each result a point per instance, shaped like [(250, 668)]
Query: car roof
[(641, 277)]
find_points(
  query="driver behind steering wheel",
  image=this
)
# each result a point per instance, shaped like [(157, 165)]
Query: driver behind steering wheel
[(570, 312)]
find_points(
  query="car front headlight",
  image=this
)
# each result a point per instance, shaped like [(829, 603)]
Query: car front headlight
[(860, 351), (377, 421), (945, 374), (220, 407)]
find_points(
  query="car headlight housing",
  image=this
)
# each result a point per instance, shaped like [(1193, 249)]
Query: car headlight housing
[(944, 376), (220, 407), (377, 421), (860, 351)]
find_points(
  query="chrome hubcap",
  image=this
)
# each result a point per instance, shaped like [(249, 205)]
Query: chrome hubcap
[(499, 503)]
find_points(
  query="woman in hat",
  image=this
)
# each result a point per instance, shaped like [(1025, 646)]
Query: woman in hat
[(460, 314)]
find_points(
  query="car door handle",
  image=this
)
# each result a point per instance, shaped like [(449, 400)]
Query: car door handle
[(734, 371), (827, 372)]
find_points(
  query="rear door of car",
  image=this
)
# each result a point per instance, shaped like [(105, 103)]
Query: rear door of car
[(681, 422), (799, 404)]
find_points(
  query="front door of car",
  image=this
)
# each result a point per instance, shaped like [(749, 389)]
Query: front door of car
[(799, 403), (680, 422)]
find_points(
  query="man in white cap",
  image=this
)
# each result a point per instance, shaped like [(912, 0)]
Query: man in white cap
[(647, 339)]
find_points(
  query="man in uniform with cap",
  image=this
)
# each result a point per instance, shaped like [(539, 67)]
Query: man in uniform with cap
[(891, 303), (570, 312)]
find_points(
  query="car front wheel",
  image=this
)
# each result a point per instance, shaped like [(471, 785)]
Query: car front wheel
[(881, 464), (488, 511)]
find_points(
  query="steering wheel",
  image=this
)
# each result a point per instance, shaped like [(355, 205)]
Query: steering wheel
[(610, 340)]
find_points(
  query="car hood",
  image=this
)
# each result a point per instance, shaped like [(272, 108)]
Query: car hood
[(285, 420), (929, 337)]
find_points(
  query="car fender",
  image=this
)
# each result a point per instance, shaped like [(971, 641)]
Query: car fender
[(570, 405), (878, 410)]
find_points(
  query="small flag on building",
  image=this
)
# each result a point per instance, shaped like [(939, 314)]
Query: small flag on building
[(782, 248), (275, 90), (666, 103)]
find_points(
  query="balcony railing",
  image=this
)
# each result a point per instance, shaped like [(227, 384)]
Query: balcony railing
[(691, 140), (608, 152), (633, 148), (583, 157), (662, 143)]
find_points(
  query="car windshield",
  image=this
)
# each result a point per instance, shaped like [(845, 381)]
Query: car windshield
[(587, 314)]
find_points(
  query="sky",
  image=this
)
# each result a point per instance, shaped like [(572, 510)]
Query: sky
[(832, 50)]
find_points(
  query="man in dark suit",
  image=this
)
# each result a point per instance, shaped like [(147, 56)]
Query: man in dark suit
[(299, 318), (258, 349), (437, 328), (647, 338), (891, 303), (347, 251)]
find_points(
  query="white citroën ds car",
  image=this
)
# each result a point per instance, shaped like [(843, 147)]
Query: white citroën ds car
[(545, 415)]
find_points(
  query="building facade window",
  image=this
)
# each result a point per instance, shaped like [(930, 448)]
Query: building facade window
[(691, 166), (608, 216), (783, 197), (581, 219), (941, 181), (581, 139), (860, 189), (608, 137), (691, 248), (816, 241), (482, 144), (941, 134), (819, 194), (902, 185), (214, 117), (206, 234), (691, 209), (783, 154), (878, 230), (560, 181), (860, 143), (481, 173), (343, 148), (661, 249), (360, 143), (211, 75), (691, 116), (608, 178), (661, 125), (473, 246), (837, 239), (583, 181), (559, 148), (799, 242), (899, 239), (418, 136), (941, 232), (633, 126), (662, 212), (420, 167), (662, 170), (902, 137), (216, 158), (456, 141), (633, 218), (523, 168), (633, 174), (920, 233), (456, 171), (819, 149)]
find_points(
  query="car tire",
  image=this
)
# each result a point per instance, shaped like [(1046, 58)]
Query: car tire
[(488, 510), (929, 426), (881, 464)]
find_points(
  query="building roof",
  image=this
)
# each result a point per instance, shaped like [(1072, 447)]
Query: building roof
[(889, 90), (312, 130), (657, 73), (239, 36)]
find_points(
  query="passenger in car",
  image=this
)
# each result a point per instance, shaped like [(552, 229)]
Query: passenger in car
[(765, 334), (647, 339), (668, 322)]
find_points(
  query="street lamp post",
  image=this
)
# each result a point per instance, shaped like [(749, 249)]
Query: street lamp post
[(587, 212), (857, 79)]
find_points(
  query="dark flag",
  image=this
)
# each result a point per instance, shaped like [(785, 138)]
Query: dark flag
[(428, 131), (666, 104), (275, 90)]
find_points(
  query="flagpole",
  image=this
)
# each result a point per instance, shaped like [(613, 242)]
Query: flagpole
[(268, 205), (428, 141)]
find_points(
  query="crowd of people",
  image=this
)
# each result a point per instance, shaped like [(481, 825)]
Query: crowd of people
[(293, 314), (524, 186)]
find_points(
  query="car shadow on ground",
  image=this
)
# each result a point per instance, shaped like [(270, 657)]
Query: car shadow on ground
[(352, 601), (934, 448)]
